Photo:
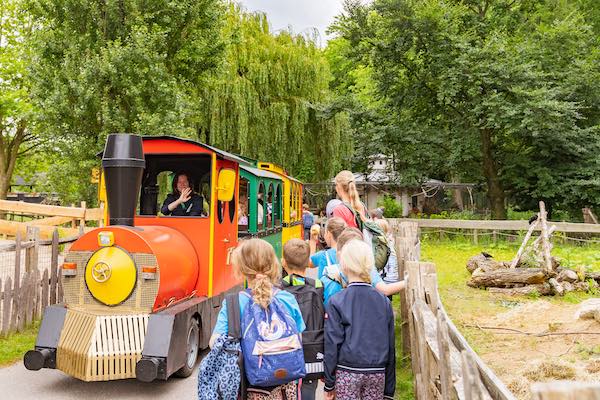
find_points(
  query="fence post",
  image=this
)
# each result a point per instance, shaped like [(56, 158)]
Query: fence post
[(22, 302), (16, 290), (475, 236), (5, 328), (31, 254), (54, 267), (45, 287), (445, 369), (82, 220)]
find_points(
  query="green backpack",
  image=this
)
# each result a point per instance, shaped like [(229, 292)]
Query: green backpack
[(381, 246)]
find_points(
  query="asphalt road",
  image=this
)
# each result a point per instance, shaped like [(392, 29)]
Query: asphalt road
[(18, 383), (47, 384)]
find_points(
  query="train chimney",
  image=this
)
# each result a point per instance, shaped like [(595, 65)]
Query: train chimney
[(123, 162)]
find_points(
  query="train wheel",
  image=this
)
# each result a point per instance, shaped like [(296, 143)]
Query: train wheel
[(192, 348)]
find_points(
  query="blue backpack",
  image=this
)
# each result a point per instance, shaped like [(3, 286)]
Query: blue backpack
[(271, 344)]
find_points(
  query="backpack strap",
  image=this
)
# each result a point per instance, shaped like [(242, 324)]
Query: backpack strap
[(357, 219), (233, 315)]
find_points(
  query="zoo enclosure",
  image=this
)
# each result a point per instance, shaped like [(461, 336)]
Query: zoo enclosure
[(443, 364)]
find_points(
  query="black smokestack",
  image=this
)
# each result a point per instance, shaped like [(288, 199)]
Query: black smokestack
[(123, 163)]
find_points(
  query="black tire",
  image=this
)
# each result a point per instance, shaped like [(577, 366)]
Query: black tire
[(192, 350)]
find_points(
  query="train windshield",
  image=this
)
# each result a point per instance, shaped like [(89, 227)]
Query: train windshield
[(167, 177)]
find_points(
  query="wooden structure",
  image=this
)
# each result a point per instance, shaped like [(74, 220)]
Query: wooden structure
[(24, 296), (51, 217), (444, 365)]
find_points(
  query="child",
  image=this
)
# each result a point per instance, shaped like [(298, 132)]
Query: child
[(333, 229), (334, 280), (358, 364), (256, 262), (390, 271), (309, 294)]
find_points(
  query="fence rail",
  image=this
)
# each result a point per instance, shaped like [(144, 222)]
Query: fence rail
[(495, 225), (444, 365)]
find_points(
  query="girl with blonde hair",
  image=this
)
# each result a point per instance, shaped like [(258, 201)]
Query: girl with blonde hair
[(346, 190), (358, 364), (255, 262)]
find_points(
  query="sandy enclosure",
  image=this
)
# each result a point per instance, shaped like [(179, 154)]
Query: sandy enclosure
[(519, 359)]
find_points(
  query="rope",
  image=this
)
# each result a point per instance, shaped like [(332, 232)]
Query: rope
[(504, 234)]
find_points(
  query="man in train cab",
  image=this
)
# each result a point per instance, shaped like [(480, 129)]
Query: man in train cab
[(182, 202)]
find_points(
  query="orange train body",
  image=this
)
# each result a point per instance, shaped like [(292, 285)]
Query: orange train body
[(174, 253)]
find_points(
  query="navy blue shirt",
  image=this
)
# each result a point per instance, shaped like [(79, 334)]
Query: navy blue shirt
[(192, 207), (359, 335)]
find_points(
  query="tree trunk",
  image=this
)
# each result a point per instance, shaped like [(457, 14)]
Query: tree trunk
[(495, 191), (9, 150), (506, 277)]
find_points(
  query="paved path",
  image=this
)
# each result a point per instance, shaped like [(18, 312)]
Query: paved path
[(18, 383)]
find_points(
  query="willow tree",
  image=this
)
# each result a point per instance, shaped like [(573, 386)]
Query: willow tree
[(118, 66), (271, 100)]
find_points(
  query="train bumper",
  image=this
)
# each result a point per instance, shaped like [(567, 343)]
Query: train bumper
[(89, 346)]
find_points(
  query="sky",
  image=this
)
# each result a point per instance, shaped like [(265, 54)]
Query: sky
[(301, 15)]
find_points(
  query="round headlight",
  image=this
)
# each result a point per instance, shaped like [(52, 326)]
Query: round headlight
[(110, 275)]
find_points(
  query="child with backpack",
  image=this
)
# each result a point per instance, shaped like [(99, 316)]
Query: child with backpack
[(268, 323), (320, 259), (358, 364), (334, 280), (309, 294)]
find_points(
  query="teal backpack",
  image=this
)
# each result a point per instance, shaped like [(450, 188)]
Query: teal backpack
[(374, 235)]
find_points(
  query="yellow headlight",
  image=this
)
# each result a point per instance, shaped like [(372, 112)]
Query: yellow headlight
[(106, 239), (110, 275)]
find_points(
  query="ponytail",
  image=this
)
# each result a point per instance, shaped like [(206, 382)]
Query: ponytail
[(262, 291), (255, 260), (346, 180)]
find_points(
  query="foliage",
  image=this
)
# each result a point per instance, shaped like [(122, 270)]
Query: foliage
[(391, 208), (271, 101), (498, 91), (127, 66), (16, 109)]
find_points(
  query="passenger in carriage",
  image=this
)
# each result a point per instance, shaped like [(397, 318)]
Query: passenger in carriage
[(183, 202)]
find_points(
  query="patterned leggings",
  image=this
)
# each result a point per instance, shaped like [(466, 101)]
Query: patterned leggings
[(356, 386)]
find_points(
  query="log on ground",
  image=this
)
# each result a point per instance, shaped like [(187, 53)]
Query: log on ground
[(506, 277)]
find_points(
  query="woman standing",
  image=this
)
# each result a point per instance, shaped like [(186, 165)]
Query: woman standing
[(347, 192)]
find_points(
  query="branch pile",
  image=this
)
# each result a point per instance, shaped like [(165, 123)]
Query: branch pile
[(532, 271)]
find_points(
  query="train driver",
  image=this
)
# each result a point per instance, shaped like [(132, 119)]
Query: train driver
[(183, 202)]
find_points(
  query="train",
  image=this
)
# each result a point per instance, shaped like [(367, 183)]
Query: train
[(142, 293)]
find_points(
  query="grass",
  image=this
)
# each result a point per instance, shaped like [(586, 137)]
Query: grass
[(464, 303), (16, 345)]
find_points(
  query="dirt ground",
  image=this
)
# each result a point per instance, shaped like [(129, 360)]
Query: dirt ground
[(519, 360)]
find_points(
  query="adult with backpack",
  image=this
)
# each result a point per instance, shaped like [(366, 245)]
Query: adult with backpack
[(356, 215), (309, 294), (265, 324)]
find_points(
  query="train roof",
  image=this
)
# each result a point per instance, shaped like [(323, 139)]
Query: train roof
[(260, 172), (226, 155)]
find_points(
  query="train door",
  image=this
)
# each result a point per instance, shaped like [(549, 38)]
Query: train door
[(225, 232)]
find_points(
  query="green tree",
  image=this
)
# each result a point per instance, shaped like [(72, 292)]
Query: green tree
[(16, 110), (272, 101), (119, 66), (509, 87)]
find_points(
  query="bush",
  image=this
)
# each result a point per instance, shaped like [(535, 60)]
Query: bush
[(391, 208)]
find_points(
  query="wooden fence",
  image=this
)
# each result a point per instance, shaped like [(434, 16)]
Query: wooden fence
[(52, 216), (444, 365), (24, 296)]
